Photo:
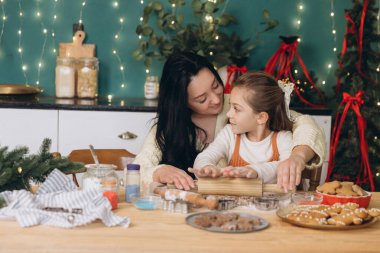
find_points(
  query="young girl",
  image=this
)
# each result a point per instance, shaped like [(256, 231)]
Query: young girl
[(258, 135)]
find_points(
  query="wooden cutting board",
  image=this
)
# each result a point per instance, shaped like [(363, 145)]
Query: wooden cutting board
[(235, 186), (77, 49)]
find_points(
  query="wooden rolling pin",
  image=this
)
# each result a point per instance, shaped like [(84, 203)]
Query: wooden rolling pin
[(235, 186)]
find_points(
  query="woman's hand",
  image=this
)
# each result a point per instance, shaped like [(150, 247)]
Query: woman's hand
[(207, 171), (289, 172), (244, 172), (168, 174)]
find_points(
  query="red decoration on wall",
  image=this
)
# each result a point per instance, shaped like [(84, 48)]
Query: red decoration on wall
[(280, 63), (354, 103)]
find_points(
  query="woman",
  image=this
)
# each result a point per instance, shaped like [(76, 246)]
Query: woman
[(191, 111)]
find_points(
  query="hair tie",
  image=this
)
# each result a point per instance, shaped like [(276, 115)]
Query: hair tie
[(287, 89)]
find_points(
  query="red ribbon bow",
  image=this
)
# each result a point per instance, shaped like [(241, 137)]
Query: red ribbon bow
[(281, 61), (231, 76), (354, 103)]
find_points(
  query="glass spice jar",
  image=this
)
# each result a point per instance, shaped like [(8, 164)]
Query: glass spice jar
[(87, 82), (102, 177), (65, 77), (151, 87)]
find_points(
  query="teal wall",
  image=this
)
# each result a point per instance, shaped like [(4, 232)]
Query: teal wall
[(101, 20)]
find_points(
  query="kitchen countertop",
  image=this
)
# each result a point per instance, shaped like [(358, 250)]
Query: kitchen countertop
[(103, 104)]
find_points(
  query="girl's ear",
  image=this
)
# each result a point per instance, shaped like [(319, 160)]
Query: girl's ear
[(262, 118)]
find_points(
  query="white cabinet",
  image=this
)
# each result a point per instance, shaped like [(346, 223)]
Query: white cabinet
[(26, 127), (325, 123), (78, 129)]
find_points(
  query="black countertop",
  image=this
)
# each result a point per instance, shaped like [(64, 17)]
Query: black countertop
[(99, 104), (103, 104)]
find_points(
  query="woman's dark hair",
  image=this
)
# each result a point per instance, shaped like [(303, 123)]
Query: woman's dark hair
[(176, 133), (264, 95)]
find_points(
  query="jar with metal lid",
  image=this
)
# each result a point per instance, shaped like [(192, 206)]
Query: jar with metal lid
[(65, 77), (102, 177), (87, 82), (151, 87)]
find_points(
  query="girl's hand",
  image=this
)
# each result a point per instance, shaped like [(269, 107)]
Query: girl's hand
[(168, 174), (244, 172), (207, 171), (289, 172)]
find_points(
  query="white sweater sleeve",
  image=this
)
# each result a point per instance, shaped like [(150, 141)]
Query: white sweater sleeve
[(307, 132), (267, 171), (217, 150), (148, 158)]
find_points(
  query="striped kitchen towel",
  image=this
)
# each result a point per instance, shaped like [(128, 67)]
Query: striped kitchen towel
[(57, 203)]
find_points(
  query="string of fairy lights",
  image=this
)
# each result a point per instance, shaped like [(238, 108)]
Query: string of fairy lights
[(52, 29), (20, 48), (298, 22), (3, 18), (44, 31), (121, 21)]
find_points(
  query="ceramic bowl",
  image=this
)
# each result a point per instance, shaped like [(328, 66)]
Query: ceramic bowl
[(363, 201), (150, 202)]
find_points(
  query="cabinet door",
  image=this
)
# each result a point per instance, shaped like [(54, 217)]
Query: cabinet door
[(25, 127), (325, 123), (78, 129)]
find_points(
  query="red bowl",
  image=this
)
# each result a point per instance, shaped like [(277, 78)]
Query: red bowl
[(363, 201)]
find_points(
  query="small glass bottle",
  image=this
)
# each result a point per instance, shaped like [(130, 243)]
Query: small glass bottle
[(87, 83), (65, 77), (151, 87), (132, 183), (102, 177)]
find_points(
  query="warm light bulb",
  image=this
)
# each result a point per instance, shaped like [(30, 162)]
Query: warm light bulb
[(141, 18), (211, 53), (4, 17), (122, 85), (38, 82), (38, 14), (121, 20), (295, 71), (44, 31), (140, 37), (80, 21), (24, 67), (52, 34), (300, 7), (173, 22), (121, 68), (116, 36), (114, 51), (299, 40), (142, 1), (54, 50), (115, 4), (20, 50), (298, 21), (147, 71), (40, 64), (109, 97), (84, 3), (19, 32), (378, 103), (323, 82), (173, 5), (332, 14), (55, 16), (216, 37), (334, 49), (334, 31), (378, 69), (21, 14), (329, 66)]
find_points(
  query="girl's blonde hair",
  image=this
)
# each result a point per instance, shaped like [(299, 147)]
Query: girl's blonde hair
[(264, 95)]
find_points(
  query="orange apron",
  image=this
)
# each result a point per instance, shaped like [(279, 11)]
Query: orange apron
[(237, 161)]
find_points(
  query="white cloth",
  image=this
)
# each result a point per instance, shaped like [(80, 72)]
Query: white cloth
[(257, 154), (58, 192)]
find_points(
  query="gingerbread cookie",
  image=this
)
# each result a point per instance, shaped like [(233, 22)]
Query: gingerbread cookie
[(329, 188)]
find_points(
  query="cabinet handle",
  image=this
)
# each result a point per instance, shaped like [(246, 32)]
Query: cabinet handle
[(127, 136)]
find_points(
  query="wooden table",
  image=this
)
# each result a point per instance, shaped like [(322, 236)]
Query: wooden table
[(160, 231)]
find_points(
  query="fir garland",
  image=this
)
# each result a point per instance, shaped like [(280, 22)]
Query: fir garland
[(18, 169)]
